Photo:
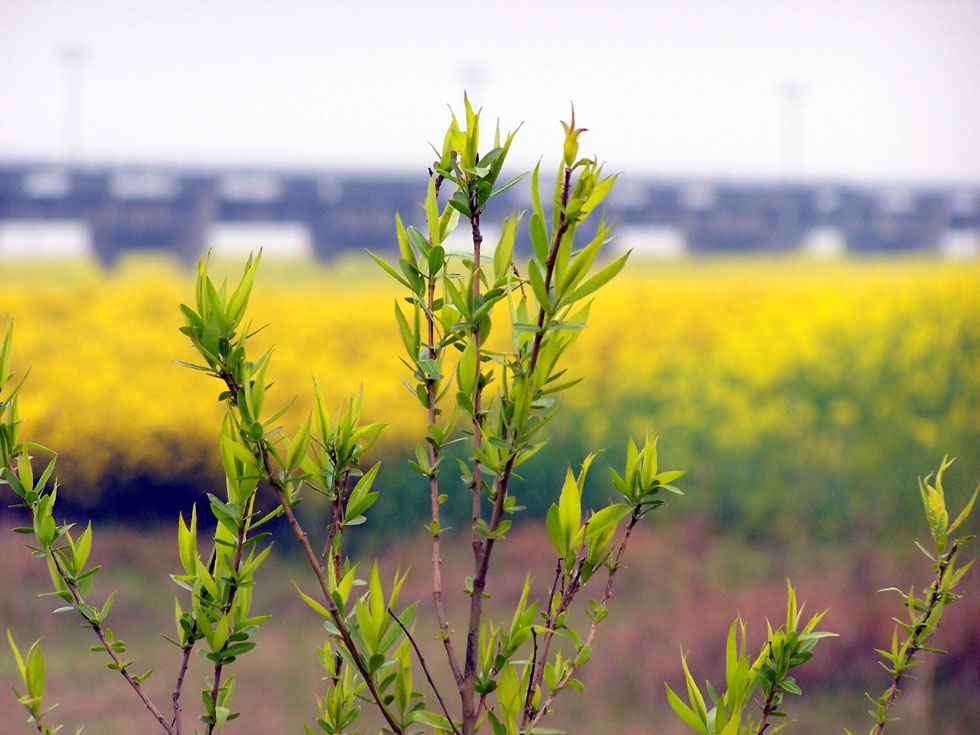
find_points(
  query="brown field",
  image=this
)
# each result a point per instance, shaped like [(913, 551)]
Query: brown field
[(681, 589)]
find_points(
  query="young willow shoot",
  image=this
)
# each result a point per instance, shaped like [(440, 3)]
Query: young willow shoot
[(506, 675), (924, 614), (767, 676), (495, 396), (504, 395)]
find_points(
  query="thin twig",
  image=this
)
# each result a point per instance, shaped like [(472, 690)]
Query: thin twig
[(233, 592), (338, 619), (304, 542), (483, 565), (531, 720), (111, 652), (528, 696), (430, 392), (913, 644), (175, 697), (425, 669), (767, 708), (477, 541)]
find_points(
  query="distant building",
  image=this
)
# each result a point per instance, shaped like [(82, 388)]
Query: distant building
[(58, 210)]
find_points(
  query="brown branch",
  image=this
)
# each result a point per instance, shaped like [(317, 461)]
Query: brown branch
[(338, 618), (550, 265), (123, 670), (477, 542), (914, 644), (483, 565), (529, 695), (767, 710), (175, 697), (430, 390), (335, 530), (531, 719), (425, 670), (233, 592), (304, 542)]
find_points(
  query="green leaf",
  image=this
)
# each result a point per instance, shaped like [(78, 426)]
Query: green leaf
[(242, 454), (537, 285), (539, 238), (686, 714), (360, 499), (187, 541), (83, 548), (466, 369), (313, 603), (437, 256), (509, 184), (569, 509), (388, 269), (5, 358), (432, 217), (608, 517), (297, 450), (13, 646), (965, 513), (599, 280), (554, 530), (34, 672), (432, 719), (239, 299)]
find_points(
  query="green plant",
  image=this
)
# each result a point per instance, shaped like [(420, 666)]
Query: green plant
[(790, 646), (501, 393), (508, 675)]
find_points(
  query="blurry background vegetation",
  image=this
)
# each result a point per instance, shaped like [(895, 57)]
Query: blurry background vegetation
[(804, 397)]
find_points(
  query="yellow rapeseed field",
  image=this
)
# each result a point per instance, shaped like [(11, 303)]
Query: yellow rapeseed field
[(754, 372)]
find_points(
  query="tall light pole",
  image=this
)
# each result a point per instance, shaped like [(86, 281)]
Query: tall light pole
[(72, 57), (791, 96)]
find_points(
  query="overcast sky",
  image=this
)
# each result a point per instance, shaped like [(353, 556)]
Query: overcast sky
[(860, 89)]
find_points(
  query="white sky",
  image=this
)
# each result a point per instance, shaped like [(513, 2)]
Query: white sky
[(889, 88)]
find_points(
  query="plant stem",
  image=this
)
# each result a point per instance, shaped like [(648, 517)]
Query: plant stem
[(425, 670), (177, 724), (232, 593), (478, 389), (123, 670), (483, 559), (338, 619), (532, 718), (912, 643), (430, 391), (767, 710), (304, 542)]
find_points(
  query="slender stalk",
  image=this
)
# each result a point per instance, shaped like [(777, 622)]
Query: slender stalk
[(533, 717), (175, 697), (233, 592), (477, 541), (430, 390), (483, 561), (338, 618), (304, 542), (335, 530), (529, 695), (550, 264), (425, 670), (468, 688), (767, 710), (912, 642), (123, 670)]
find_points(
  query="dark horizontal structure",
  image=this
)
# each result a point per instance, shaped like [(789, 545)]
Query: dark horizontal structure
[(117, 208)]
